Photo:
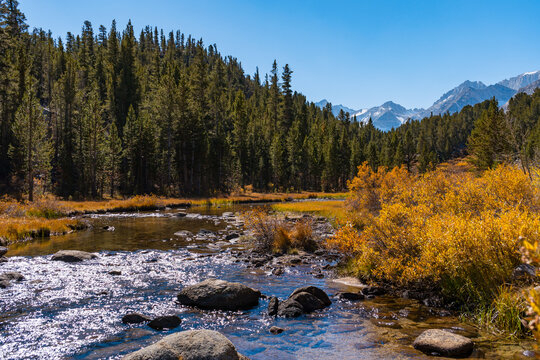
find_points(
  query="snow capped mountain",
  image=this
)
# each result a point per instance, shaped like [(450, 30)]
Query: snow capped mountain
[(390, 114), (521, 81), (335, 108), (468, 93), (387, 116)]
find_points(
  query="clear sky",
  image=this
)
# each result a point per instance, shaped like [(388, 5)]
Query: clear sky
[(358, 53)]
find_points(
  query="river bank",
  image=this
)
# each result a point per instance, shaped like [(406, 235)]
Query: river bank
[(20, 221), (144, 259)]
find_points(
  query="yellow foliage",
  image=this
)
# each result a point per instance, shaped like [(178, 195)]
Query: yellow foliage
[(274, 234), (449, 228)]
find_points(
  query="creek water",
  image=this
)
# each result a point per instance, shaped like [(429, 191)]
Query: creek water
[(73, 311)]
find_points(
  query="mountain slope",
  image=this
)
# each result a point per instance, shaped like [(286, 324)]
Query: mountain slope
[(468, 93), (529, 89), (521, 81)]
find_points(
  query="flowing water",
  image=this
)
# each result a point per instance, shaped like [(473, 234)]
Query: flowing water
[(73, 311)]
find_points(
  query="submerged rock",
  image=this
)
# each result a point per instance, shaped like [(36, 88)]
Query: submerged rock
[(373, 290), (350, 296), (72, 256), (219, 295), (183, 233), (165, 322), (134, 318), (232, 236), (443, 343), (190, 345)]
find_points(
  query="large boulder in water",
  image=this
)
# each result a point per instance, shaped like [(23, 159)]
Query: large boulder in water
[(304, 300), (219, 295), (443, 343), (72, 256), (189, 345)]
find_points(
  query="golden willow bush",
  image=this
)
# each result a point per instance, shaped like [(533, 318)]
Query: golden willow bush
[(274, 234), (449, 229)]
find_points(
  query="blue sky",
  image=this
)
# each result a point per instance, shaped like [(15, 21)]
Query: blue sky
[(358, 53)]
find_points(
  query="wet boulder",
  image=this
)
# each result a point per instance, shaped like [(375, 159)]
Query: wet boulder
[(165, 322), (315, 291), (12, 276), (72, 256), (304, 300), (3, 250), (276, 330), (7, 277), (219, 295), (135, 318), (290, 308), (273, 306), (190, 345), (443, 343)]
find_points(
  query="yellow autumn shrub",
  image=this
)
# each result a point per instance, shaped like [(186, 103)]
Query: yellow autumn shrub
[(449, 228)]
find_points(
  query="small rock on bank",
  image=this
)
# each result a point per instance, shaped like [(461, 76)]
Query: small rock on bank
[(219, 295), (72, 256), (190, 345), (443, 343)]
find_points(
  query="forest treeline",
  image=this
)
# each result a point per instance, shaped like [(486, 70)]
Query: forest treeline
[(108, 112)]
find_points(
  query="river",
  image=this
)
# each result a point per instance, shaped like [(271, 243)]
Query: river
[(73, 311)]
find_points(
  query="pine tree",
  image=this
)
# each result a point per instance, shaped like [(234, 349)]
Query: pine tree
[(488, 142), (31, 147), (113, 157)]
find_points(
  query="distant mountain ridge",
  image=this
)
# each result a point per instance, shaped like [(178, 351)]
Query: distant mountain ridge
[(390, 115), (335, 108)]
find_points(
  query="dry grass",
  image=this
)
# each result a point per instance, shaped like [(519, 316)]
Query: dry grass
[(332, 209), (19, 229), (136, 203), (274, 234)]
